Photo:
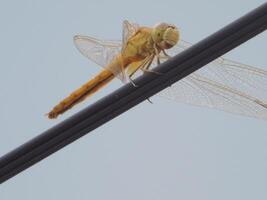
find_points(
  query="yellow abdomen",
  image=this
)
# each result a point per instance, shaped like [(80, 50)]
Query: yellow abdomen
[(80, 94)]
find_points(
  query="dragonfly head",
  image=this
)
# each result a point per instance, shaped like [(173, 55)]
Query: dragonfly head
[(165, 35)]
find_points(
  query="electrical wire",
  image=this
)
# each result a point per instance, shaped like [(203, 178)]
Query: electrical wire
[(128, 96)]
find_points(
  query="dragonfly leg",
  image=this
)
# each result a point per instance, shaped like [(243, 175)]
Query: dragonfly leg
[(146, 67), (157, 54), (148, 99), (164, 52), (132, 82), (158, 60)]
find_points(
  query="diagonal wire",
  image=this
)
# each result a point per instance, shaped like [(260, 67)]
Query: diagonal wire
[(128, 96)]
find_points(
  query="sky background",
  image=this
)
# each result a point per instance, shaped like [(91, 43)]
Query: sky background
[(165, 150)]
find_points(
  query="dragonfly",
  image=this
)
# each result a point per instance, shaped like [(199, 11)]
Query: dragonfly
[(222, 84)]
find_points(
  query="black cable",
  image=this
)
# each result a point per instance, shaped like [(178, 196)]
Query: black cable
[(128, 96)]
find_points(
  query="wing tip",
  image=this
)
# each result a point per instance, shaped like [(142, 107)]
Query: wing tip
[(76, 37)]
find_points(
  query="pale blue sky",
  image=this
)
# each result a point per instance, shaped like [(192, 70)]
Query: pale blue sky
[(162, 151)]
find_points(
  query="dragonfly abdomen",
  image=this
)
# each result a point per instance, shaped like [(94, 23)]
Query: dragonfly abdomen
[(83, 92)]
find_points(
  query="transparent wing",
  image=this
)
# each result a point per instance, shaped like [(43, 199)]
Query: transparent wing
[(128, 30), (102, 52), (222, 84)]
